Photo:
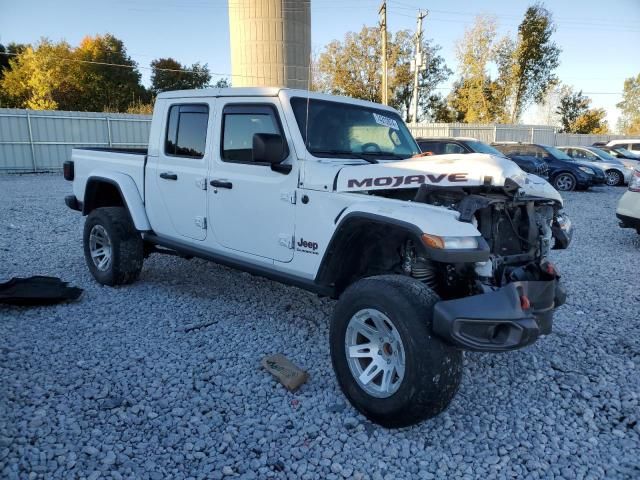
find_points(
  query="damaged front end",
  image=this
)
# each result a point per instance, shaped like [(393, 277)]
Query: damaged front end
[(503, 299)]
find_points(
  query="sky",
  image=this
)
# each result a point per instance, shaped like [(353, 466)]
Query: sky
[(600, 39)]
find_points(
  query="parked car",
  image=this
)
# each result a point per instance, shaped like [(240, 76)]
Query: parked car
[(630, 159), (628, 211), (565, 173), (329, 194), (631, 144), (617, 172), (445, 145)]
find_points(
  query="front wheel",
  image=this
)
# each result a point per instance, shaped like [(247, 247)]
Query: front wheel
[(565, 182), (113, 248), (614, 178), (388, 363)]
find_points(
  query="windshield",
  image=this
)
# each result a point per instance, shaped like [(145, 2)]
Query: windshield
[(625, 152), (602, 154), (559, 154), (337, 128), (480, 147)]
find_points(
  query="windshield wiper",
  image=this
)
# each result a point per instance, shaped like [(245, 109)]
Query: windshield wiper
[(344, 153)]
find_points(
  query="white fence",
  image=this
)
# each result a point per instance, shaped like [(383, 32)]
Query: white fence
[(507, 133), (39, 141)]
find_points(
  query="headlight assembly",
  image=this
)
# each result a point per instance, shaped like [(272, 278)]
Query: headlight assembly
[(450, 243)]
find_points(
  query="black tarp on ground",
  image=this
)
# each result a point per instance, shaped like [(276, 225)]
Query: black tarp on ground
[(37, 290)]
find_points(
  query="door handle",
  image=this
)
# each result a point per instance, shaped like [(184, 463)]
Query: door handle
[(221, 184), (168, 176)]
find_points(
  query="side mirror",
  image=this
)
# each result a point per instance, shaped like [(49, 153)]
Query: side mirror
[(269, 148)]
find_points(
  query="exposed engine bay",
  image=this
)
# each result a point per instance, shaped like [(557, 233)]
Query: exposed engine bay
[(520, 231)]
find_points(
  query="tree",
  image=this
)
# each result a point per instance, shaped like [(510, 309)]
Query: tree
[(96, 76), (577, 117), (353, 68), (107, 86), (169, 74), (43, 77), (629, 122), (536, 56), (473, 92)]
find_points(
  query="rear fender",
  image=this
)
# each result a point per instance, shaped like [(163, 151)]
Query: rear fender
[(129, 193)]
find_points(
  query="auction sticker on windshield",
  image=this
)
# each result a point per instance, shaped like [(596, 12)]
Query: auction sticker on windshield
[(386, 121)]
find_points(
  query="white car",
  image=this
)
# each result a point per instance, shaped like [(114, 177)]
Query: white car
[(628, 211), (616, 171), (427, 256), (631, 144)]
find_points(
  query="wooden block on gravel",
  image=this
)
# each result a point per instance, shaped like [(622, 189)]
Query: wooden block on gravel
[(288, 374)]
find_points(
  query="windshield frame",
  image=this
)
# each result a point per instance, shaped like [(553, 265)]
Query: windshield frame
[(602, 154), (322, 153)]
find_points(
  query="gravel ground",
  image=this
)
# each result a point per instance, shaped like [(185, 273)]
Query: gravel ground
[(123, 383)]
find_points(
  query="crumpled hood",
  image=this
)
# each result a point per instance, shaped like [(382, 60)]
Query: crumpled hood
[(472, 169)]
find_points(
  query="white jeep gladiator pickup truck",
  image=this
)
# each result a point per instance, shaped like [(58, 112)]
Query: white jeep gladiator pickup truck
[(427, 256)]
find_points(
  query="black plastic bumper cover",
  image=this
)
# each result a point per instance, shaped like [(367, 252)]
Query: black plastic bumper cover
[(495, 321), (72, 202)]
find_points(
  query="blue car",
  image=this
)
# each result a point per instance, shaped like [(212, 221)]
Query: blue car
[(565, 173)]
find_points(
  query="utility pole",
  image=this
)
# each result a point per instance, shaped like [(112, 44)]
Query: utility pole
[(383, 28), (418, 65)]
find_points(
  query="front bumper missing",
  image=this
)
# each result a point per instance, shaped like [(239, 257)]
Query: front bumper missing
[(496, 321)]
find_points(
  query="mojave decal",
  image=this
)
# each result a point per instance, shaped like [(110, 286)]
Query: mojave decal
[(396, 181)]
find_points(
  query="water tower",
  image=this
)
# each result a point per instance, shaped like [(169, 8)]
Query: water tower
[(270, 42)]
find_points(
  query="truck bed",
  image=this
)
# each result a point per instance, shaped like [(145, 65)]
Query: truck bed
[(101, 161)]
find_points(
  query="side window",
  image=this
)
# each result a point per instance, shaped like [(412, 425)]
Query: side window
[(635, 146), (240, 124), (453, 148), (187, 130), (433, 147)]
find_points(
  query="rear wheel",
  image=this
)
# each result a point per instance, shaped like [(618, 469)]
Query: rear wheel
[(614, 178), (564, 182), (113, 248), (388, 363)]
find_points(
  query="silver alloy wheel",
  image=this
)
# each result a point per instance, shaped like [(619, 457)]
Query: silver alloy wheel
[(375, 353), (100, 247), (565, 182), (613, 178)]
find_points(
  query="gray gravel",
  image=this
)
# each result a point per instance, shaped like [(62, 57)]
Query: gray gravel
[(119, 384)]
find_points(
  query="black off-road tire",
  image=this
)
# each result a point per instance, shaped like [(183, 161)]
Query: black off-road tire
[(433, 369), (127, 250)]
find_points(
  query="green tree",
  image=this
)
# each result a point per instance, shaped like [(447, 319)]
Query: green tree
[(535, 58), (353, 68), (169, 74), (577, 117), (629, 122), (473, 92)]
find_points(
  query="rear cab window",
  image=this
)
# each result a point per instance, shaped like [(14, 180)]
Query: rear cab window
[(186, 134)]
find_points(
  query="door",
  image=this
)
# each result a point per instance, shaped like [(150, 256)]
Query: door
[(181, 172), (251, 206)]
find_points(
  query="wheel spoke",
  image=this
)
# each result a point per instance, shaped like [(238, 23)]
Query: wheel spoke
[(387, 378), (364, 329), (364, 350), (98, 252), (369, 373)]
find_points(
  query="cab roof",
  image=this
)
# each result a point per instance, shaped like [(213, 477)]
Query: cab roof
[(266, 92)]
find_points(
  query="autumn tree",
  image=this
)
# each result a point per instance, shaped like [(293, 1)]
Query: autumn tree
[(536, 57), (97, 75), (353, 68), (577, 117), (43, 77), (629, 122), (104, 85), (169, 74)]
